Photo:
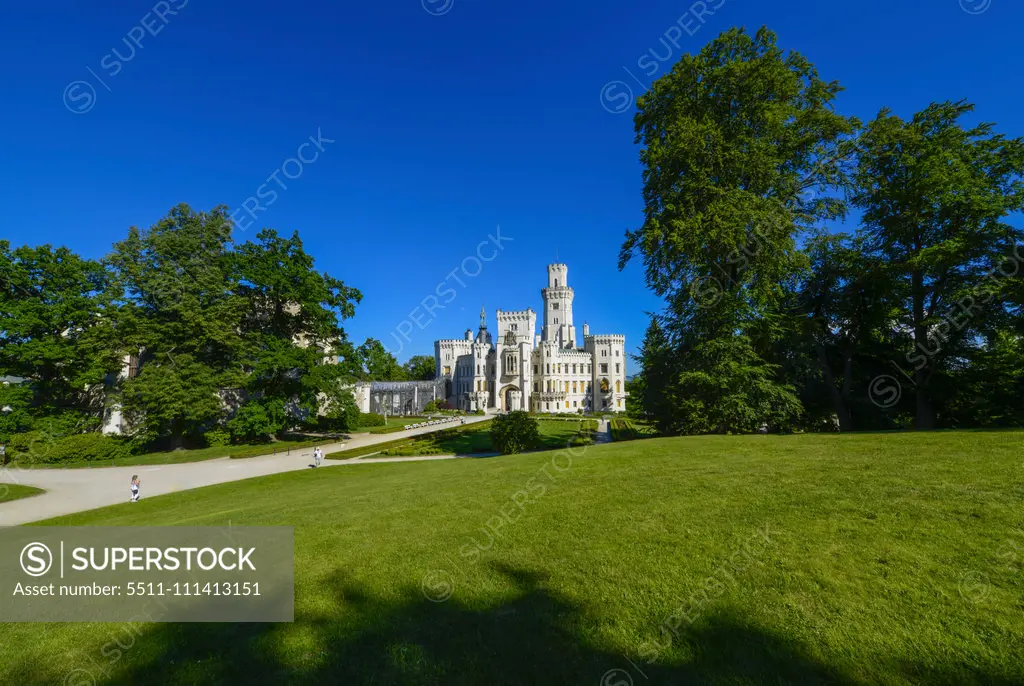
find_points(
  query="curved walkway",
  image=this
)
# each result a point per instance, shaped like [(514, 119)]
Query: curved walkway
[(75, 490)]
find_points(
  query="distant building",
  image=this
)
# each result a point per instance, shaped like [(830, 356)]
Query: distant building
[(523, 370)]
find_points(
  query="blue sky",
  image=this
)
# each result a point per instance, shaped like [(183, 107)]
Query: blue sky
[(447, 119)]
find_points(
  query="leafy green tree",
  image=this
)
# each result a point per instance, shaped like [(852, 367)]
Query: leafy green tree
[(15, 403), (342, 414), (296, 351), (990, 391), (935, 197), (843, 313), (378, 364), (182, 317), (657, 368), (733, 139), (514, 432), (55, 327), (258, 420), (420, 368)]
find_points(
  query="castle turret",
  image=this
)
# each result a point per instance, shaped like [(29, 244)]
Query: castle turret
[(558, 297)]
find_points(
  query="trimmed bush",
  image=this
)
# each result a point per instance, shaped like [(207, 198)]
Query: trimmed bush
[(514, 432), (28, 446), (370, 419), (86, 448), (217, 438), (341, 415)]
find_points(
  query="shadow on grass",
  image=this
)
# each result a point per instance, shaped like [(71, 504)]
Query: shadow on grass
[(531, 639)]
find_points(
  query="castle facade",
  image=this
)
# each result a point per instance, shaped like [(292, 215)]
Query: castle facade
[(519, 369)]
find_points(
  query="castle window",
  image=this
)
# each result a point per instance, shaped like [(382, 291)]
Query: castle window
[(566, 386), (618, 387), (604, 368), (574, 387), (617, 367), (554, 306), (549, 367), (616, 352), (556, 283), (535, 369), (556, 321)]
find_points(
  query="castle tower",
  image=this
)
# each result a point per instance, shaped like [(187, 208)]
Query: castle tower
[(558, 297)]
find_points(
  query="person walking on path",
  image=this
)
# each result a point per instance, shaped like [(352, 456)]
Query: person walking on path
[(317, 455), (135, 488)]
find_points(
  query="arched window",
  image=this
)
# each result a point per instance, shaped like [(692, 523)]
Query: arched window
[(618, 387)]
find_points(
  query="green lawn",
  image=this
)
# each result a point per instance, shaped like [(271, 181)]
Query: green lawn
[(867, 559), (467, 440), (625, 429), (195, 455), (17, 491)]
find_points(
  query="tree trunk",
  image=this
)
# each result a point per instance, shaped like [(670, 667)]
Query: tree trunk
[(838, 401), (925, 415)]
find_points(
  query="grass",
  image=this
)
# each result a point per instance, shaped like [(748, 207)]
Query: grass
[(468, 440), (183, 456), (855, 559), (623, 429), (10, 492), (393, 424)]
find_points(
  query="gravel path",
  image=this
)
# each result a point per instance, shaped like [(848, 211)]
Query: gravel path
[(75, 490)]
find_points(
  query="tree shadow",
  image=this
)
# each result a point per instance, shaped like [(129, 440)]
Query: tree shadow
[(533, 638)]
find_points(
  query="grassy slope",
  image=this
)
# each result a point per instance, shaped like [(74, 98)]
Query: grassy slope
[(15, 491), (554, 434), (886, 562), (183, 456)]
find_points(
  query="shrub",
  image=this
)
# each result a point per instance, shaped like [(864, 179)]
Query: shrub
[(514, 432), (28, 446), (370, 419), (86, 448), (217, 438), (257, 422), (342, 415)]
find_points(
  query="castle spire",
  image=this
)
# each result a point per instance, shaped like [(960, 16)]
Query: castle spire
[(483, 317)]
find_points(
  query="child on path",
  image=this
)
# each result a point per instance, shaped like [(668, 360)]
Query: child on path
[(317, 455), (135, 488)]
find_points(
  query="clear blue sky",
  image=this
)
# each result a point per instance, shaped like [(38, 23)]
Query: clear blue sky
[(450, 117)]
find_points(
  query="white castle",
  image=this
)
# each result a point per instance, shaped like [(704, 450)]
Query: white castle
[(539, 373)]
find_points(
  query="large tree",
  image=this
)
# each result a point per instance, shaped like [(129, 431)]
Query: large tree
[(55, 328), (420, 368), (935, 196), (842, 316), (293, 337), (378, 364), (182, 319), (733, 139)]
